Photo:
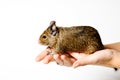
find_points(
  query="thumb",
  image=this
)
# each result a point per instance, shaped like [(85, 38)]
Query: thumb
[(85, 60), (79, 62), (78, 55)]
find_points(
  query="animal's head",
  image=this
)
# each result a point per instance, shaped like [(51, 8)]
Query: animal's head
[(48, 37)]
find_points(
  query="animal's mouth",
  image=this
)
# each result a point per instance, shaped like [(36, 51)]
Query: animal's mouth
[(39, 42), (42, 43)]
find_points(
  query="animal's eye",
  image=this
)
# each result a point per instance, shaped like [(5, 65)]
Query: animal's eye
[(44, 37)]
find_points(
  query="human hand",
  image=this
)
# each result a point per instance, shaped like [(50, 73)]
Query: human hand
[(106, 57), (45, 57), (102, 57), (60, 59)]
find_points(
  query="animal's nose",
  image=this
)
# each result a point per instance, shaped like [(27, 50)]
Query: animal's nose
[(39, 41)]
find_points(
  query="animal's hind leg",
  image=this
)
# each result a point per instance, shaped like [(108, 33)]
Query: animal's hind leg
[(90, 50)]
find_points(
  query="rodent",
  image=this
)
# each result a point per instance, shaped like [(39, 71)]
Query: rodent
[(82, 39)]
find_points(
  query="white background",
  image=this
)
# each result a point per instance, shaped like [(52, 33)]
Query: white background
[(22, 21)]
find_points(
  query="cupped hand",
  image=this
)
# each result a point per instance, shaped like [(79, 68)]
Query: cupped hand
[(102, 57), (60, 59)]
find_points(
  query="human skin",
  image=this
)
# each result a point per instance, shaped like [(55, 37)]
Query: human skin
[(109, 57)]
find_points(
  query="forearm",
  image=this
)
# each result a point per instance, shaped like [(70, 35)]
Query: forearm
[(115, 61), (115, 46)]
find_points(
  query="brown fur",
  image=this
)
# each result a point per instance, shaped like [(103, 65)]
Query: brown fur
[(82, 39)]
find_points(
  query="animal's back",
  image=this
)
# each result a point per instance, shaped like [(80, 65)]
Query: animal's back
[(79, 39)]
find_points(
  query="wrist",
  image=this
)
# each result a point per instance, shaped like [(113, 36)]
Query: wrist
[(116, 59)]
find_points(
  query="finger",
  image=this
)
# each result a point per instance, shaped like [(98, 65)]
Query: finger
[(42, 55), (47, 59), (72, 60), (58, 59), (85, 60), (79, 63), (67, 60), (77, 55)]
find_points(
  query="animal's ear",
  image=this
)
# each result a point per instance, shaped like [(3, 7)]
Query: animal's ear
[(53, 28)]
